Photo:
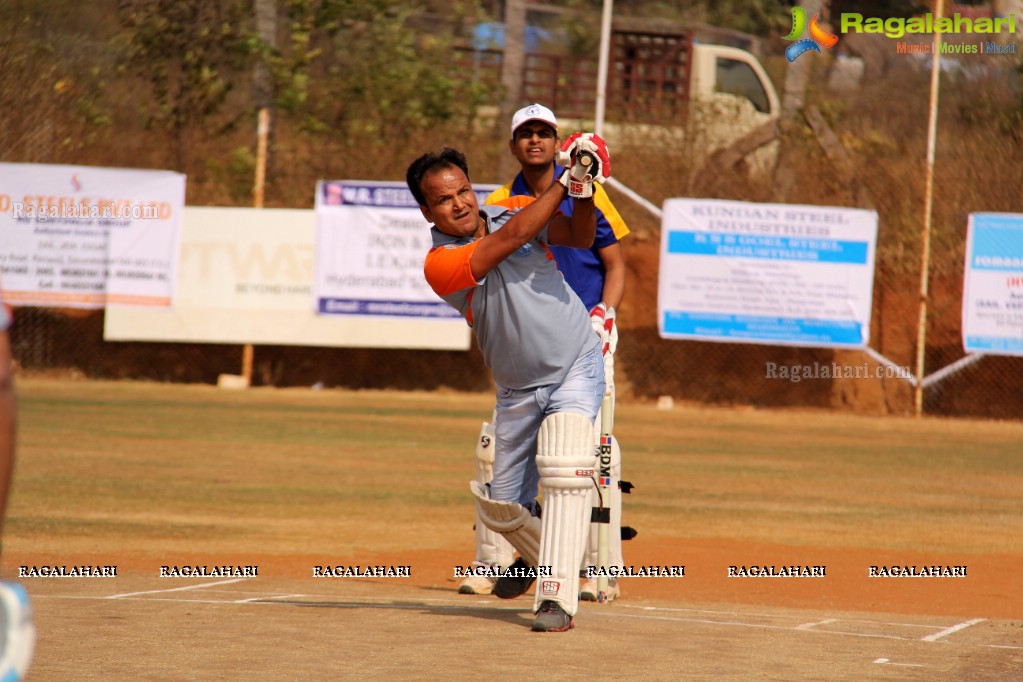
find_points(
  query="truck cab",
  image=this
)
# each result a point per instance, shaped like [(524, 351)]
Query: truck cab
[(731, 95), (720, 70), (665, 87)]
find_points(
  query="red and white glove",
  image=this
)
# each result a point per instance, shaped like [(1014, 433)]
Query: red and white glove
[(586, 161), (602, 319)]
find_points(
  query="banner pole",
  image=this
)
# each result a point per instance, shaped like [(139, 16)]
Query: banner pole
[(925, 237), (262, 135)]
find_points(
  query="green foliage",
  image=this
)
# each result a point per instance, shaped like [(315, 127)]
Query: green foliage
[(235, 173), (761, 17), (881, 8), (357, 77), (53, 98), (368, 71), (985, 102), (185, 49), (757, 17)]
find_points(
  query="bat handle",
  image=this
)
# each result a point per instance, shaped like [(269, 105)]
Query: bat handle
[(590, 163)]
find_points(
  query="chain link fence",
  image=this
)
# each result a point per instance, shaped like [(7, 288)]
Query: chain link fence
[(69, 343)]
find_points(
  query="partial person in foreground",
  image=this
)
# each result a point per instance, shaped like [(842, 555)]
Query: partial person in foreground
[(598, 276), (17, 629), (494, 266)]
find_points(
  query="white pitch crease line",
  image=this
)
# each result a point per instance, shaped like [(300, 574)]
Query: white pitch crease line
[(948, 631), (681, 610), (760, 626), (176, 589), (928, 626), (269, 598), (809, 626)]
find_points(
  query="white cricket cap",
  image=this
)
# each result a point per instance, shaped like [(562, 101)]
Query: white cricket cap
[(534, 112)]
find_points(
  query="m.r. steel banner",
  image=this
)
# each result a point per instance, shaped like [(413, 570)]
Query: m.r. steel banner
[(371, 241)]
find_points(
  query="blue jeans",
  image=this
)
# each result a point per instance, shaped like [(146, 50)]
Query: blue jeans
[(517, 418)]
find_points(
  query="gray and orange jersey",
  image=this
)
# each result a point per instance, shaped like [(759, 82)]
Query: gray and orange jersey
[(583, 268), (529, 324)]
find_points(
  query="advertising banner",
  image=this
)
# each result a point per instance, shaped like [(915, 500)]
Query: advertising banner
[(776, 274), (993, 284), (83, 237), (246, 276), (371, 242)]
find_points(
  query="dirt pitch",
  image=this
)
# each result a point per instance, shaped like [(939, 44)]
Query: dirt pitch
[(141, 476)]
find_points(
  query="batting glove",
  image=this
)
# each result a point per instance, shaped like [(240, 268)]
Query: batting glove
[(602, 319), (586, 161)]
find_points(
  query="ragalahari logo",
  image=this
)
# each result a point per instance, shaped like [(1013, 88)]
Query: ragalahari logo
[(818, 36)]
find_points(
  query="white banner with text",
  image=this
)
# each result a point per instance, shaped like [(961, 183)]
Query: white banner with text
[(246, 276), (371, 243), (83, 237), (993, 284), (778, 274)]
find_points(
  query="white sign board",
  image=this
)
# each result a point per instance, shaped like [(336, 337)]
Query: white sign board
[(371, 243), (246, 276), (993, 284), (77, 236), (777, 274)]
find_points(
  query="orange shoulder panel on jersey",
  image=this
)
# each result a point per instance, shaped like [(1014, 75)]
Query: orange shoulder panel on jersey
[(447, 268), (517, 201)]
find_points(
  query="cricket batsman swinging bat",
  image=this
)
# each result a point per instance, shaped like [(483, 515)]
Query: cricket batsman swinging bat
[(602, 514)]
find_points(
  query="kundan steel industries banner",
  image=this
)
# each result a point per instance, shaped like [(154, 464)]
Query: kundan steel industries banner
[(993, 284), (245, 275), (777, 274), (371, 242), (78, 236)]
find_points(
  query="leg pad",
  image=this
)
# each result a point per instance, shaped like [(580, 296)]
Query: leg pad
[(518, 526)]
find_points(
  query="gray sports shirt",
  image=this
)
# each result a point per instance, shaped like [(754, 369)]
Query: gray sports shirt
[(529, 324)]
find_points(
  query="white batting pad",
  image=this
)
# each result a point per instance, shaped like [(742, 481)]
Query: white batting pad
[(485, 453), (614, 545), (491, 547), (513, 521), (564, 458)]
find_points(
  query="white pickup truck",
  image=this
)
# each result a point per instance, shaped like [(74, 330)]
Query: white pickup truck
[(664, 87)]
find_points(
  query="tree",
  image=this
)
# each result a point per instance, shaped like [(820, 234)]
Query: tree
[(372, 74), (184, 48), (512, 66)]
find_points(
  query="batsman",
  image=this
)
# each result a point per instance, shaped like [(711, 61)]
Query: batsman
[(598, 276), (493, 265)]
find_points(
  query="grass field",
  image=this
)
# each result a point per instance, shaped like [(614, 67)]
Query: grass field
[(142, 475)]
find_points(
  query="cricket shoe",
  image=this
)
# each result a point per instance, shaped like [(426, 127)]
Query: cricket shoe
[(588, 591), (552, 618), (477, 584), (516, 581), (17, 632)]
